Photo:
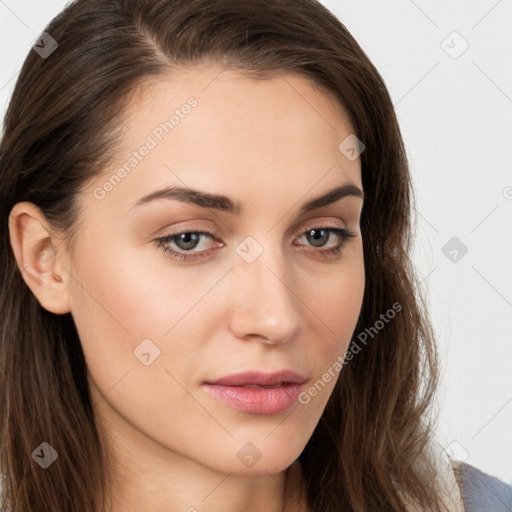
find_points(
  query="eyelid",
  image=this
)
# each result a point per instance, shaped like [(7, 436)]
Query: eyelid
[(323, 224)]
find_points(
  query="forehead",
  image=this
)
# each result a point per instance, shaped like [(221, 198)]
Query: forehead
[(245, 134)]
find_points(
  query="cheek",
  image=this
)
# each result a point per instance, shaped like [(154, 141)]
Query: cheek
[(337, 303), (125, 291), (129, 313)]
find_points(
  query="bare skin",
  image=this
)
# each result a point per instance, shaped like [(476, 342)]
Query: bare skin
[(271, 145)]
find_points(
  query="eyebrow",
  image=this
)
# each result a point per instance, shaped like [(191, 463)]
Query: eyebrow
[(225, 204)]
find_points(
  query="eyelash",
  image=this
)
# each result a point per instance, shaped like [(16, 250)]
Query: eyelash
[(343, 233)]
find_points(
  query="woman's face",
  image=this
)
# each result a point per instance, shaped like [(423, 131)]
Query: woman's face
[(258, 292)]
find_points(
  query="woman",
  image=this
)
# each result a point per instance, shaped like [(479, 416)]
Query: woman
[(208, 302)]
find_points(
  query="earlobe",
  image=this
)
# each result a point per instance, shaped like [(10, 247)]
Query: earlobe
[(37, 254)]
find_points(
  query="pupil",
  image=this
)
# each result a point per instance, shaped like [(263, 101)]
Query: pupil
[(184, 237), (315, 239)]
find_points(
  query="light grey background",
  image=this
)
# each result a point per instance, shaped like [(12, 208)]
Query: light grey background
[(455, 112)]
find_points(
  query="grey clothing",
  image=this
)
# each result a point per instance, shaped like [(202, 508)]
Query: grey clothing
[(482, 492)]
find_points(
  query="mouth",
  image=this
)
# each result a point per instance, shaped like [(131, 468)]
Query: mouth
[(257, 399)]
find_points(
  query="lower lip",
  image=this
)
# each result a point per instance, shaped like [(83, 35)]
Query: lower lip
[(257, 400)]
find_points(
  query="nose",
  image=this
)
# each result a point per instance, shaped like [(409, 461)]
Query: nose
[(265, 307)]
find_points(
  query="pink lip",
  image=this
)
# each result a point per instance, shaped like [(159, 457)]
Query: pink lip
[(260, 378), (258, 399)]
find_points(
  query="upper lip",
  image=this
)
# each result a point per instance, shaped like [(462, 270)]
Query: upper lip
[(259, 378)]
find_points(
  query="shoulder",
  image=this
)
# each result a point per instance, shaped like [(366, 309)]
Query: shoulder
[(482, 492)]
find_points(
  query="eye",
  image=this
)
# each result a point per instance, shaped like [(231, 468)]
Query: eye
[(319, 237), (186, 241)]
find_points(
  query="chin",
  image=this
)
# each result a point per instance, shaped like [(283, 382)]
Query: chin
[(259, 455)]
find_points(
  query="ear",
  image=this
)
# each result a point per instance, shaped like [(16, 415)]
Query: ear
[(36, 250)]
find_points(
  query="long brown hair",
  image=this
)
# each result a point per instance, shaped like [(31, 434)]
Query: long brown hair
[(61, 130)]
